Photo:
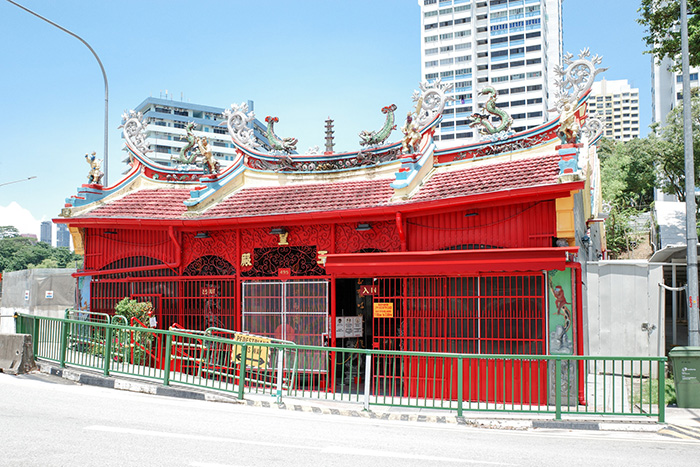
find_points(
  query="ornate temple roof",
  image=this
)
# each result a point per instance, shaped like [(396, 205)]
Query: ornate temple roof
[(380, 178), (302, 199)]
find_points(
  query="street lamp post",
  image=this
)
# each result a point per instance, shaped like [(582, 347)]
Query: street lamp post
[(691, 227), (104, 75)]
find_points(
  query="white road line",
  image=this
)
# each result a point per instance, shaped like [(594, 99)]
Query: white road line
[(217, 439), (402, 455), (340, 450)]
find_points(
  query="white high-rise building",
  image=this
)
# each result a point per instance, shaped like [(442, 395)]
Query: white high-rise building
[(510, 45), (667, 88), (165, 128), (616, 104)]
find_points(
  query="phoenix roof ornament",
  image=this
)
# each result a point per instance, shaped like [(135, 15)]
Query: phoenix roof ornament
[(135, 131), (576, 79), (237, 120)]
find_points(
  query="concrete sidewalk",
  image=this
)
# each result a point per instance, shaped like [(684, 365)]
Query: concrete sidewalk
[(686, 420)]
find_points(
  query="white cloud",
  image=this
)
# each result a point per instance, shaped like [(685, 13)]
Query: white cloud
[(16, 215)]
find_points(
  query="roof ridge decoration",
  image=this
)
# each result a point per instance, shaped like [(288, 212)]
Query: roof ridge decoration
[(576, 78), (373, 138), (238, 117), (431, 100), (283, 145), (134, 131), (487, 130)]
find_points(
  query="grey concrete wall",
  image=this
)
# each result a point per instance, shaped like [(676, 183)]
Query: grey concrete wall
[(623, 316), (42, 292)]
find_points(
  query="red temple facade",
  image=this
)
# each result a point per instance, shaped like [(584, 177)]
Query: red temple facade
[(471, 250)]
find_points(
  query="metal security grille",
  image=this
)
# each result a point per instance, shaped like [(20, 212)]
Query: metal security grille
[(475, 315), (296, 311), (193, 303)]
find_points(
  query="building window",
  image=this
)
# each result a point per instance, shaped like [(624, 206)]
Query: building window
[(446, 11), (464, 58), (430, 26), (430, 76), (530, 35), (517, 63), (429, 2), (431, 39), (534, 101), (534, 61), (445, 23), (447, 61), (446, 74), (499, 40), (462, 21), (534, 74), (179, 125), (498, 66), (463, 71), (535, 87), (517, 103), (532, 48), (463, 45), (517, 90), (444, 37), (517, 76), (463, 33), (432, 51), (181, 112), (428, 14), (517, 50), (431, 63), (534, 114), (499, 79), (447, 48)]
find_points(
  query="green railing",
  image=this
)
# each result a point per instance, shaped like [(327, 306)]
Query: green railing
[(542, 384)]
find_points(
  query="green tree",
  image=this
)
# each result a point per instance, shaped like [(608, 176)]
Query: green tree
[(661, 18), (8, 231), (628, 171), (671, 157), (18, 253)]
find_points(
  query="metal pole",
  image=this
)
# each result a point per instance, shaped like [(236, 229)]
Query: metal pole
[(691, 228), (104, 75)]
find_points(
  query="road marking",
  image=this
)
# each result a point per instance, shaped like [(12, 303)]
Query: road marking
[(162, 434), (340, 450), (681, 432), (402, 455)]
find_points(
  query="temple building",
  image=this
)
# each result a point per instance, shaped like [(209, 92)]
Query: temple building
[(477, 249)]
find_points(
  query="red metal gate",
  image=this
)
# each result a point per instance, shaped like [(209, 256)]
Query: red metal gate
[(294, 310), (494, 314)]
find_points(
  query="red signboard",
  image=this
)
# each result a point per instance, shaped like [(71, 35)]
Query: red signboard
[(284, 272), (366, 290), (208, 291)]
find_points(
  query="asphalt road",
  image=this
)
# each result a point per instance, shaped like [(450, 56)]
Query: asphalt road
[(47, 421)]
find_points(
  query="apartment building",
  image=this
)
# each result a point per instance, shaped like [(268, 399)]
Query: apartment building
[(510, 45), (616, 104), (165, 128)]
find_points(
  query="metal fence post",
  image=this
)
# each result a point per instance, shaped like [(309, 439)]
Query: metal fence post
[(241, 371), (64, 343), (280, 369), (460, 387), (107, 349), (166, 359), (35, 337), (368, 375), (662, 391), (557, 389)]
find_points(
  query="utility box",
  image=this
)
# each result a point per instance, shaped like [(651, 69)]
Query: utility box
[(686, 376)]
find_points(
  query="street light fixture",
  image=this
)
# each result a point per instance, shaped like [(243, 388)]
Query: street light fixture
[(17, 181), (104, 75)]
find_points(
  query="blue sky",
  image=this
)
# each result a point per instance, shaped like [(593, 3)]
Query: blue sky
[(301, 61)]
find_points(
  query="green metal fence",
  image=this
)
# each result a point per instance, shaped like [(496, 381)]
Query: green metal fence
[(542, 384)]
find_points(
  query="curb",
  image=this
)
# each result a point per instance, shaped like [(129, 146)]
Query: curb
[(134, 385)]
